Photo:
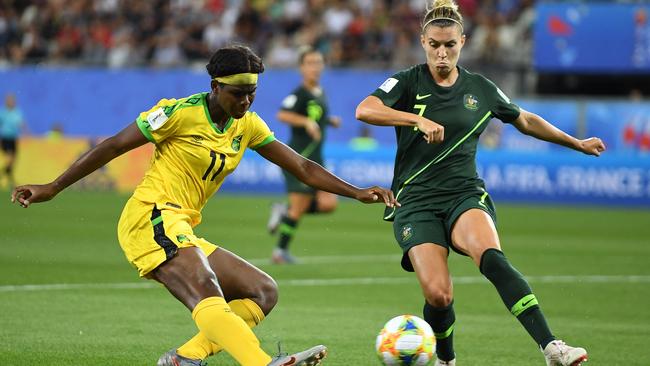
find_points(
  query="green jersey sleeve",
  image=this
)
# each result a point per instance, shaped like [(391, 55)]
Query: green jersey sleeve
[(393, 90), (502, 107), (295, 102)]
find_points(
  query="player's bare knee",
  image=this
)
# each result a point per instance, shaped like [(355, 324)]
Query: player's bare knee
[(327, 206), (267, 295), (438, 296)]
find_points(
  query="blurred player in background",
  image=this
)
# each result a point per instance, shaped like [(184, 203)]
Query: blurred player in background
[(199, 141), (307, 112), (11, 125), (439, 110)]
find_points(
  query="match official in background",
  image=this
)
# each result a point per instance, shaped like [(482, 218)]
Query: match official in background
[(12, 124), (306, 111), (439, 109)]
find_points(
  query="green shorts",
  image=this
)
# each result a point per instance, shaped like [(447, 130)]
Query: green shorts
[(434, 224), (296, 186)]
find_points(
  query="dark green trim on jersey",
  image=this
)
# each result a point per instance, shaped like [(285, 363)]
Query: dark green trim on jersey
[(266, 141), (207, 115), (143, 125), (191, 101), (439, 158)]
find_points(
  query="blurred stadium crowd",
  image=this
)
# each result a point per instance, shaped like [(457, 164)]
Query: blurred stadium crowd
[(169, 33)]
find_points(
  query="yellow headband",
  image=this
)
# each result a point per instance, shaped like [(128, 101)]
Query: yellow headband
[(238, 79)]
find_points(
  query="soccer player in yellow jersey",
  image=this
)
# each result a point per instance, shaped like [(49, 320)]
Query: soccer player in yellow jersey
[(199, 141)]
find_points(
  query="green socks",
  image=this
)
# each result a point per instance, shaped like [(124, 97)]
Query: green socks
[(516, 295), (442, 322), (287, 229)]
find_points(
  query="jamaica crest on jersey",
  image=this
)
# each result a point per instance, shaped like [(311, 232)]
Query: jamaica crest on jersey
[(236, 143)]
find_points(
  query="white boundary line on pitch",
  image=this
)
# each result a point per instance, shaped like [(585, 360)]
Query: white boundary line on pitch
[(460, 280), (338, 259)]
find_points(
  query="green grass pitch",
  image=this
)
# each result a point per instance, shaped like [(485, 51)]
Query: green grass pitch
[(589, 267)]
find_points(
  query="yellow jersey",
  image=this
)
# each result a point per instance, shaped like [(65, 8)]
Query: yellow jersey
[(192, 155)]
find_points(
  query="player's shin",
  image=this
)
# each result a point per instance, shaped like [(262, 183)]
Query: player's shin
[(222, 326), (516, 295), (287, 230), (200, 347), (442, 322)]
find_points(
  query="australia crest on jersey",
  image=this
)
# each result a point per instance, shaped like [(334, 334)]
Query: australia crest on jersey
[(236, 143), (470, 102)]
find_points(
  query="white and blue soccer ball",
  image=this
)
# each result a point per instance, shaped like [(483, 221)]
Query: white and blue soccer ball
[(406, 340)]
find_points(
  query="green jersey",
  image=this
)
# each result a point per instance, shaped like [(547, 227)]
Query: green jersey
[(314, 106), (430, 174)]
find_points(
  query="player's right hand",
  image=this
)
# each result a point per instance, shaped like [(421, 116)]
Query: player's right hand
[(377, 194), (313, 130), (433, 132), (33, 193)]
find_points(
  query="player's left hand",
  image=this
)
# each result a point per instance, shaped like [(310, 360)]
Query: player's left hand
[(377, 194), (335, 121), (33, 193), (592, 146)]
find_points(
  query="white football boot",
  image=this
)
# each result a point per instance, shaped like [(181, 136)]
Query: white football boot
[(558, 353)]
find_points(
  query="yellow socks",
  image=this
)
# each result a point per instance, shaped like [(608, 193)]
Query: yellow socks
[(225, 327), (248, 310)]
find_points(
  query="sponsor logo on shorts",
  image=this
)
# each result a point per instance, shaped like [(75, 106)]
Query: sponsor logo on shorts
[(181, 238), (407, 232)]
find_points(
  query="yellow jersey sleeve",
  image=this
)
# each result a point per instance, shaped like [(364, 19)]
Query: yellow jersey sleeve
[(158, 123), (260, 132)]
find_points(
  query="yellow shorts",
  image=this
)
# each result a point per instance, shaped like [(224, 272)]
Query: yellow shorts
[(149, 235)]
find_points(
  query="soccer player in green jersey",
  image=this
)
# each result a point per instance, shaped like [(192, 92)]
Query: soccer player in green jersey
[(307, 112), (199, 141), (439, 110)]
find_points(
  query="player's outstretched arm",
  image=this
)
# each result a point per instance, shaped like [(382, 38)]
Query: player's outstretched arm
[(373, 111), (127, 139), (294, 119), (536, 126), (318, 177)]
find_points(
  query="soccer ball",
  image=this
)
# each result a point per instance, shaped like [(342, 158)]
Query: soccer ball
[(406, 340)]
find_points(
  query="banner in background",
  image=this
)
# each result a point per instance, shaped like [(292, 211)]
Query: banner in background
[(504, 136), (41, 160), (103, 102), (581, 36), (565, 177), (623, 126)]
